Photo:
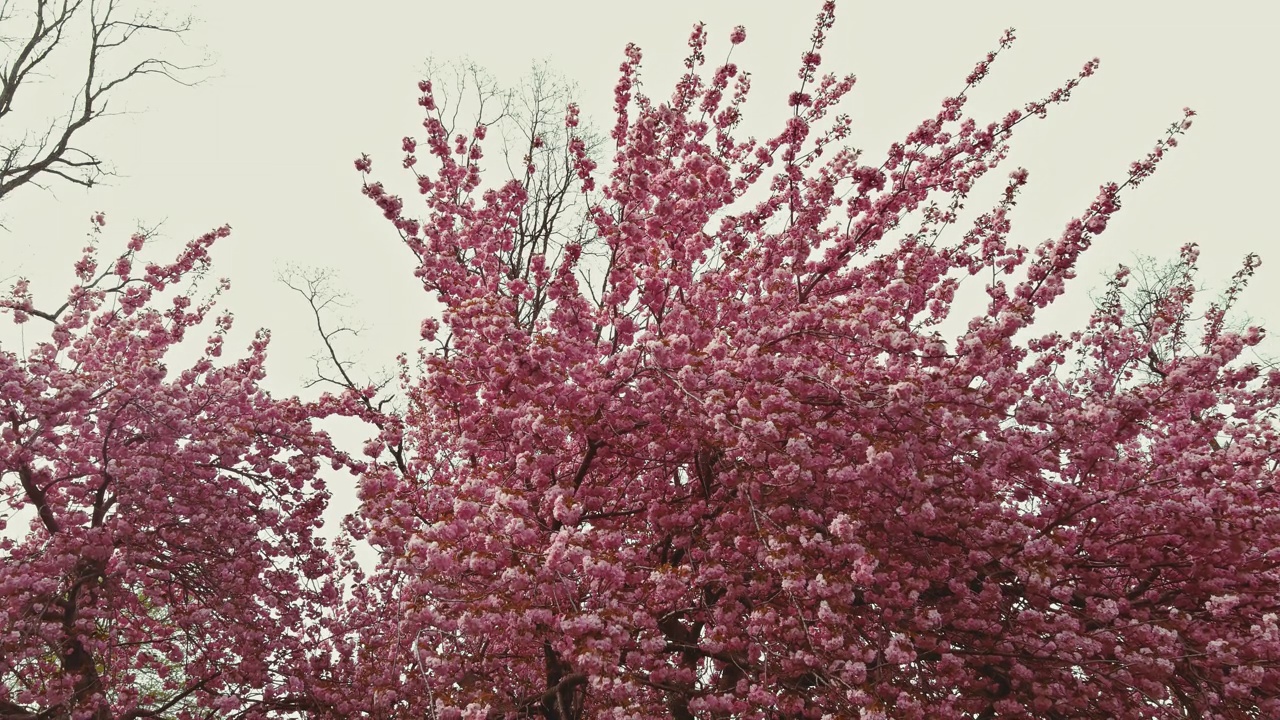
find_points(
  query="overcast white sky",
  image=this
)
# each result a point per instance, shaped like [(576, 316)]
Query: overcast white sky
[(299, 89)]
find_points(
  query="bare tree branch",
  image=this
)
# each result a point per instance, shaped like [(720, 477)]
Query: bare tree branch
[(108, 39), (314, 285)]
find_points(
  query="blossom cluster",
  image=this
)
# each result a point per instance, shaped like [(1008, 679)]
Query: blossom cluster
[(736, 470)]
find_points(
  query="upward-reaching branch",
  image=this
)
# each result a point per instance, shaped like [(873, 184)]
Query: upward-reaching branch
[(110, 40), (331, 369)]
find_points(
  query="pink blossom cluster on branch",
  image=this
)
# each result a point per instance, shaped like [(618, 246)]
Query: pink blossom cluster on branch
[(171, 566), (718, 460)]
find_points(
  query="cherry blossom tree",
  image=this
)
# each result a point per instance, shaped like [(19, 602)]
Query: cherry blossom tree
[(731, 465), (171, 567)]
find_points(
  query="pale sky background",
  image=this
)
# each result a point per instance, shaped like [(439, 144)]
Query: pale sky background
[(297, 90)]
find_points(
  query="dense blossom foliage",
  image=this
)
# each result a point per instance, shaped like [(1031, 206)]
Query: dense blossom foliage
[(718, 458), (171, 567)]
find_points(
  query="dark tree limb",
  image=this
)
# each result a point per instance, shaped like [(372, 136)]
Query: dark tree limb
[(96, 30)]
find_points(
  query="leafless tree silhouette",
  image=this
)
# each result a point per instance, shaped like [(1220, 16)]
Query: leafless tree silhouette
[(92, 47)]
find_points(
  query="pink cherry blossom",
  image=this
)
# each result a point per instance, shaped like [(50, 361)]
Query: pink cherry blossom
[(716, 458), (170, 567)]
